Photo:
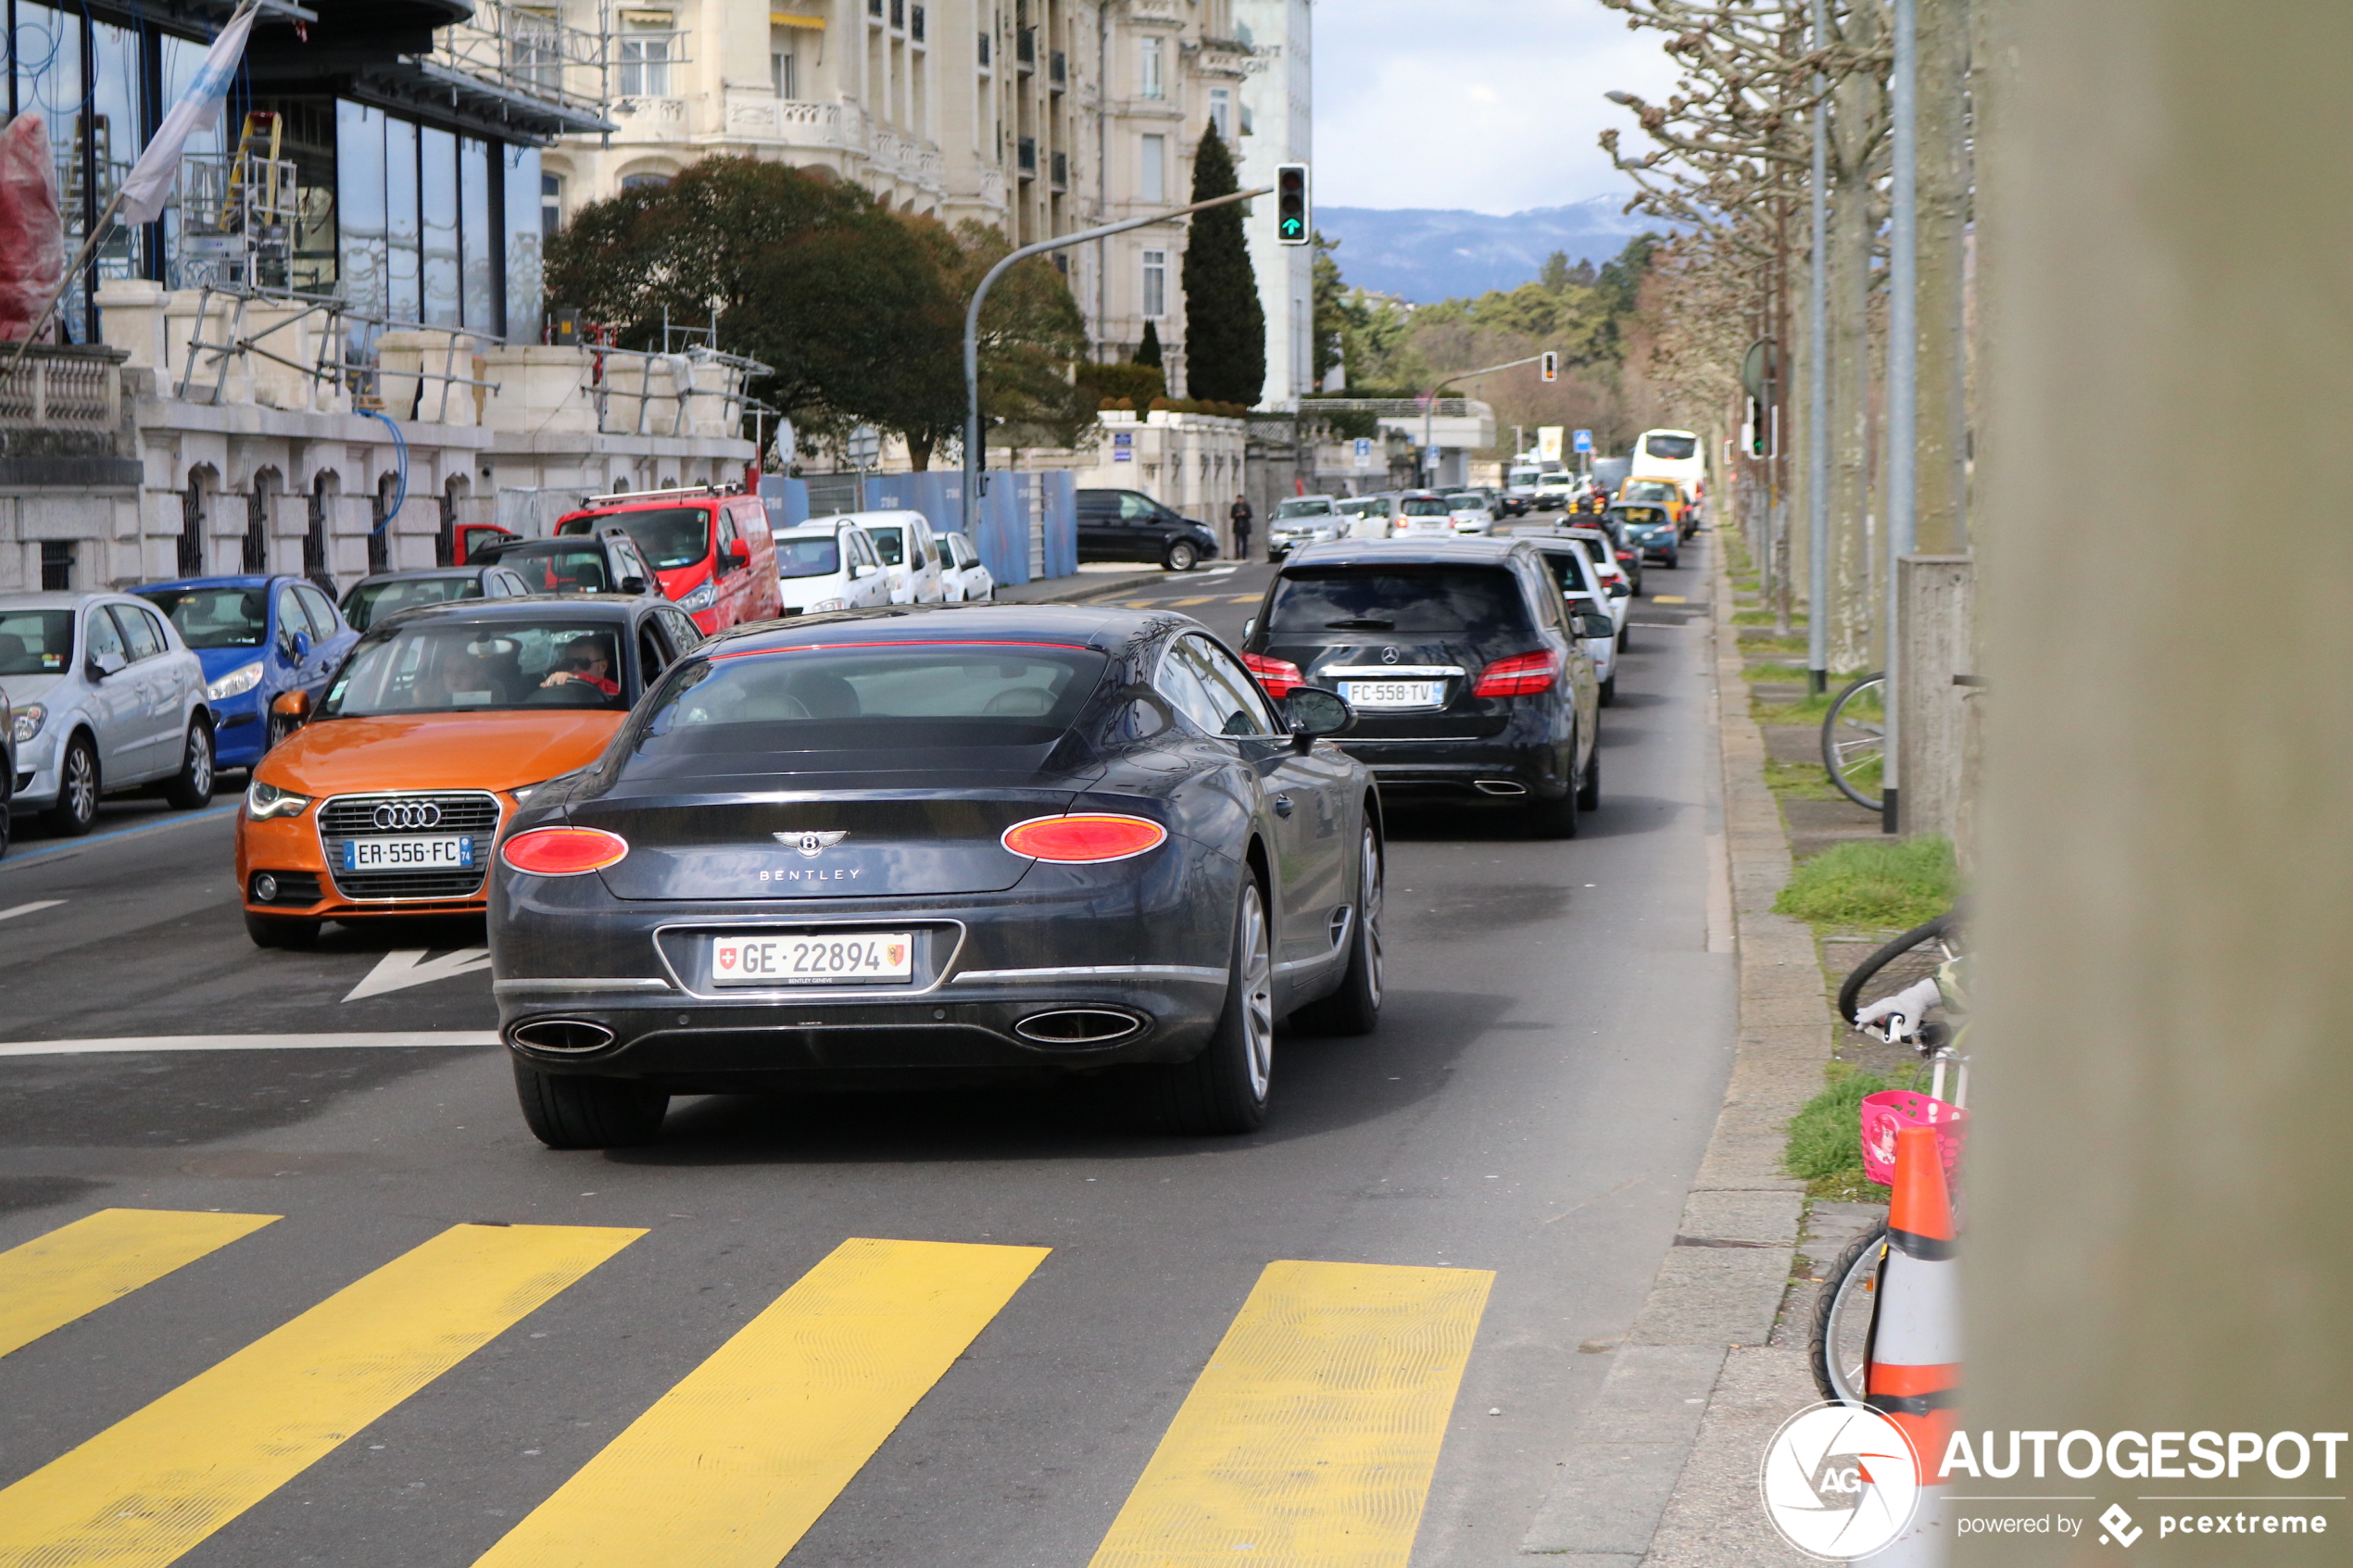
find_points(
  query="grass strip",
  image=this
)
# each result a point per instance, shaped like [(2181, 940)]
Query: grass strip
[(1876, 883), (1825, 1148), (1800, 780)]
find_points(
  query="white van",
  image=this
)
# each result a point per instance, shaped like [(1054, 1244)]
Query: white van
[(1671, 454), (830, 563), (910, 554)]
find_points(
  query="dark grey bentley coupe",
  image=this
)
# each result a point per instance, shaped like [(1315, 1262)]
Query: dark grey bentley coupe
[(939, 846)]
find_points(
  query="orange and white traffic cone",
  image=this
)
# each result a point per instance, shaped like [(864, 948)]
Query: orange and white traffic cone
[(1914, 1374)]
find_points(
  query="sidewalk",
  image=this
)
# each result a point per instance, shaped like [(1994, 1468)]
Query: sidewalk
[(1664, 1471), (1087, 582)]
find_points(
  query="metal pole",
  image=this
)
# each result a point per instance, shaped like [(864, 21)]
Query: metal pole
[(1429, 464), (1817, 395), (1903, 371), (974, 451)]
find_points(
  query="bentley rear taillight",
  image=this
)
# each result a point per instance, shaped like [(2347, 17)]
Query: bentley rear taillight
[(564, 851), (1084, 836)]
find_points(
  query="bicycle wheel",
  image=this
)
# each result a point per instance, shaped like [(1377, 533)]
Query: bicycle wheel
[(1854, 740), (1915, 955), (1841, 1337)]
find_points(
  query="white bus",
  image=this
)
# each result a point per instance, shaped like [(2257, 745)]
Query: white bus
[(1671, 454)]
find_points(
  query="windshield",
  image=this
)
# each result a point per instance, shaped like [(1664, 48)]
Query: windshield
[(371, 602), (1362, 508), (559, 568), (447, 666), (1445, 599), (807, 554), (216, 618), (1426, 505), (669, 537), (1648, 490), (1306, 505), (1467, 503), (36, 642), (1674, 449), (888, 542), (872, 698)]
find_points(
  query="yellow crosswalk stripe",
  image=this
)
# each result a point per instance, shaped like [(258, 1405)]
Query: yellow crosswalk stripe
[(79, 1268), (1668, 599), (1243, 599), (1311, 1435), (154, 1484), (1204, 599), (731, 1467)]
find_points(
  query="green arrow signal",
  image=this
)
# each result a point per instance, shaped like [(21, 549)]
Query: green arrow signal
[(1291, 225)]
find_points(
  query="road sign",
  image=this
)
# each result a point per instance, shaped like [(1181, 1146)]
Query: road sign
[(1295, 225), (1364, 451), (1584, 439), (1551, 365), (1123, 446), (865, 445)]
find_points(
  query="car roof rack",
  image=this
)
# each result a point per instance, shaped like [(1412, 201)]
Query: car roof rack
[(733, 487)]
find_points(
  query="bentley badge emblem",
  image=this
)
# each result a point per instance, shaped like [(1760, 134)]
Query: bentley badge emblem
[(812, 844), (1389, 656)]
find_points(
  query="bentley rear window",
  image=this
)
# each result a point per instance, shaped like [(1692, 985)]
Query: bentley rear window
[(836, 698)]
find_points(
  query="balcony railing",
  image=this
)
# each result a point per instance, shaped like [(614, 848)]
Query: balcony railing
[(1058, 68), (1026, 154), (59, 388), (1026, 48), (1062, 171), (984, 51)]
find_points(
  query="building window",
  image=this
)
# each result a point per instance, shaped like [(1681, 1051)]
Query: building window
[(551, 204), (1155, 283), (1152, 182), (1248, 126), (784, 74), (645, 61), (57, 566), (535, 50), (984, 51), (1221, 112), (1148, 77), (644, 182)]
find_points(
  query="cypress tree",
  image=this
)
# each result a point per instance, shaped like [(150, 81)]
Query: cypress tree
[(1148, 351), (1225, 323)]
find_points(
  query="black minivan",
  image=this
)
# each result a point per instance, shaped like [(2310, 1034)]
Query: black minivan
[(1130, 525), (1467, 673)]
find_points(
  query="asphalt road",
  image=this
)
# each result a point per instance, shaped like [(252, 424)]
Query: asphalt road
[(1532, 1108)]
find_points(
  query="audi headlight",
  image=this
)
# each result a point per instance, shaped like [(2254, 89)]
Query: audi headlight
[(265, 801), (701, 597), (238, 682), (27, 721)]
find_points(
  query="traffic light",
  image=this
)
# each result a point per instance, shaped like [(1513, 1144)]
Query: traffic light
[(1551, 365), (1293, 224)]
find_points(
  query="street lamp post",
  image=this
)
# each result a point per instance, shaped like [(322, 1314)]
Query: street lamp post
[(974, 452)]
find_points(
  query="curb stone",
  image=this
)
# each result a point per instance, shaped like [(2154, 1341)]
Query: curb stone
[(1663, 1471)]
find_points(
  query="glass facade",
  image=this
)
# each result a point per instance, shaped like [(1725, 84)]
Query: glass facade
[(406, 221)]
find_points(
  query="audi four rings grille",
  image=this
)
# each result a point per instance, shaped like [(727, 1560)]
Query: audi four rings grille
[(469, 813)]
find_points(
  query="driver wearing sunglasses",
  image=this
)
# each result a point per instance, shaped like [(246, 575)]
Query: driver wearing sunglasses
[(586, 662)]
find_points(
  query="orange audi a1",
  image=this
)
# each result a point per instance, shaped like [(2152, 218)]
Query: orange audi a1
[(387, 799)]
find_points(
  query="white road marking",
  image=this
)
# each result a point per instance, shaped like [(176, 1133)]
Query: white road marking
[(399, 970), (251, 1042), (32, 908)]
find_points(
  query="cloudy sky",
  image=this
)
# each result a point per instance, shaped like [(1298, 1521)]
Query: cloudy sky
[(1490, 105)]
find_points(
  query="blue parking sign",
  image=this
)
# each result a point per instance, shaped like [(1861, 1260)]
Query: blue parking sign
[(1123, 446)]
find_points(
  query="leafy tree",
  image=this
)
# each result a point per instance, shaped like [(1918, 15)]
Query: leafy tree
[(1330, 323), (1031, 336), (1148, 351), (1225, 323)]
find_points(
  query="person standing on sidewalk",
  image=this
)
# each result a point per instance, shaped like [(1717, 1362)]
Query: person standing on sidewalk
[(1243, 517)]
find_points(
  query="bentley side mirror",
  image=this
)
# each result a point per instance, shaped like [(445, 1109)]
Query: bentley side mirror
[(1308, 712)]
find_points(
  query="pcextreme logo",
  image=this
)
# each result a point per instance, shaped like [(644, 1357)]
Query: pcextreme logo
[(1839, 1481)]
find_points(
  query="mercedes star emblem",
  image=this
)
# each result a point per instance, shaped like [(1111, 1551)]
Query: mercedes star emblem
[(812, 844), (1389, 656)]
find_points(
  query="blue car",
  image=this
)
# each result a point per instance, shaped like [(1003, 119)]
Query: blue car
[(256, 637)]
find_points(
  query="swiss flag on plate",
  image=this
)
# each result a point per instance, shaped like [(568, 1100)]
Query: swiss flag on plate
[(726, 958)]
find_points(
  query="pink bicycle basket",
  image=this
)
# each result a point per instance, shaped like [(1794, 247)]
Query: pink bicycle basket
[(1888, 1112)]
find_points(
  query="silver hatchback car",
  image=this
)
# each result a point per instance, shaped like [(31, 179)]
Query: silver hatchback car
[(104, 695)]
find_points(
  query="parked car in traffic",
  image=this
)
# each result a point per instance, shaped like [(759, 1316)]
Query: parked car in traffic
[(1467, 676), (709, 545), (963, 580), (388, 593), (910, 554), (604, 561), (1618, 587), (1304, 519), (388, 799), (257, 638), (826, 564), (885, 848), (1469, 513), (1572, 565), (1653, 530), (1130, 525), (102, 697), (1555, 491), (1423, 514)]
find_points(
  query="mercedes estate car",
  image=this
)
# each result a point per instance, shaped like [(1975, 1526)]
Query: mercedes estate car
[(939, 846), (1467, 674)]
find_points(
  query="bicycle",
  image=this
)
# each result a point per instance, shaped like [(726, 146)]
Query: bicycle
[(1903, 979), (1854, 740)]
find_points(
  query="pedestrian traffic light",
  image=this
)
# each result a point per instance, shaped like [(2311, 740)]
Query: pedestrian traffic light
[(1551, 365), (1293, 222)]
